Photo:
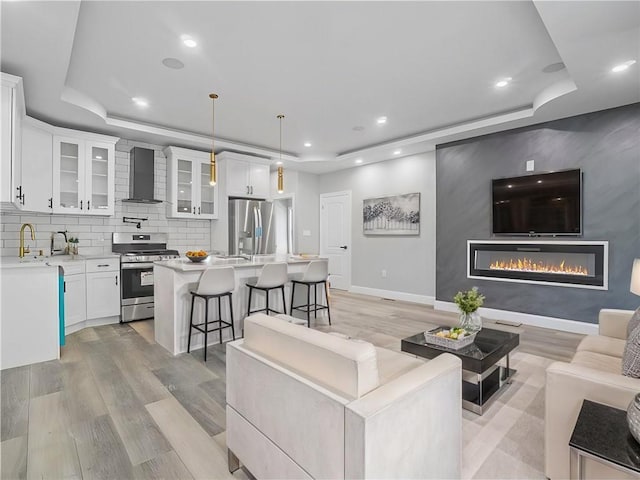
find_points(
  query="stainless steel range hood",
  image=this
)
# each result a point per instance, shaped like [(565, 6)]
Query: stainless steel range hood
[(141, 176)]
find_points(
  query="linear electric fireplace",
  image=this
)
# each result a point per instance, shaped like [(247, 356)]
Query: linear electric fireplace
[(570, 264)]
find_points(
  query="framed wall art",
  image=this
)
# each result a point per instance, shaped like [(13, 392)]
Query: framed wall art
[(395, 215)]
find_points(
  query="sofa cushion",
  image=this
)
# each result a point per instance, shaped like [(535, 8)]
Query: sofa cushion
[(631, 355), (346, 367), (392, 364), (634, 322), (601, 344), (598, 361)]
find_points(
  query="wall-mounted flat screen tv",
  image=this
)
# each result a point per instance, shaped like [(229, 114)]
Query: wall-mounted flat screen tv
[(542, 204)]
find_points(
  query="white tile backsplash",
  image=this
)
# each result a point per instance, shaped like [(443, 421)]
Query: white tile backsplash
[(95, 232)]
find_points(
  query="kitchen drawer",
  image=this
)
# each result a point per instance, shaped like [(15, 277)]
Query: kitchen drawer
[(103, 264)]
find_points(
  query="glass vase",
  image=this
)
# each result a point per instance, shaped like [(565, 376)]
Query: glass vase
[(633, 417), (471, 322)]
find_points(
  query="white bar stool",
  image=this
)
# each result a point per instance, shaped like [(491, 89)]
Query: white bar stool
[(214, 283), (272, 276), (317, 273)]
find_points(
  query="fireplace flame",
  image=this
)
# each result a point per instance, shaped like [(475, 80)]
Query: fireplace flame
[(529, 265)]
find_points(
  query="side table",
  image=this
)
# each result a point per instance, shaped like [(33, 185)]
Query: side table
[(601, 434)]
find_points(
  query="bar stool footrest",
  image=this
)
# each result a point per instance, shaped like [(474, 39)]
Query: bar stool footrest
[(222, 326)]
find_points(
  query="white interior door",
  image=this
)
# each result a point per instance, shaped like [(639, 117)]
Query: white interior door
[(335, 237)]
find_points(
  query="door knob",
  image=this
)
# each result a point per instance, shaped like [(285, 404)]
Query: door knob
[(344, 247)]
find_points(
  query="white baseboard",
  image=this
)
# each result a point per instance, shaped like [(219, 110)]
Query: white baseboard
[(95, 322), (562, 324), (406, 297)]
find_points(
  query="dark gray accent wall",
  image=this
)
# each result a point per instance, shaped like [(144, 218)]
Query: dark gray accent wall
[(605, 145)]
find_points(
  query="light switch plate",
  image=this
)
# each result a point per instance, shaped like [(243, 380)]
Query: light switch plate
[(530, 165), (306, 233)]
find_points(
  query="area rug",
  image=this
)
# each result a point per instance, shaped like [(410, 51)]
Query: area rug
[(507, 442)]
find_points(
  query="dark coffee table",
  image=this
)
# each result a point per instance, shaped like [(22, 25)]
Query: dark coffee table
[(482, 377)]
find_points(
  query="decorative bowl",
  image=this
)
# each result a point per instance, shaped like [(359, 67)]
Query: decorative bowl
[(454, 344), (197, 258)]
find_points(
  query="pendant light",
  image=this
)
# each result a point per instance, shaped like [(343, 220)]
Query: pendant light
[(280, 169), (213, 174)]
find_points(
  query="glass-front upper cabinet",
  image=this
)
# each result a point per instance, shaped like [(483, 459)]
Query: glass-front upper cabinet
[(207, 192), (189, 194), (100, 179), (68, 175), (83, 176), (185, 187)]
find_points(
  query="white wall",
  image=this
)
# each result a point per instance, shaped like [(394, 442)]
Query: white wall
[(409, 261), (304, 189), (95, 232)]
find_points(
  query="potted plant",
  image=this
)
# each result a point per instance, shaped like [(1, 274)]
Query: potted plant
[(468, 303), (73, 245)]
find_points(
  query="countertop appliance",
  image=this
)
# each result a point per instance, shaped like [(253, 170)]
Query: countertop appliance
[(138, 252), (251, 227), (58, 243)]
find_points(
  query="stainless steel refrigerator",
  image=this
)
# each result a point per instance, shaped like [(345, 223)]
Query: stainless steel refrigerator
[(251, 227)]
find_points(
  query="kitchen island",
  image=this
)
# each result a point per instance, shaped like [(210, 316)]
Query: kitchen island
[(172, 301)]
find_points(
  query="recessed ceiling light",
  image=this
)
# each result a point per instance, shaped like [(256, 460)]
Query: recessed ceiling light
[(188, 41), (554, 67), (504, 82), (509, 186), (397, 152), (358, 160), (307, 144), (278, 163), (141, 102), (173, 63), (623, 66), (381, 120), (539, 181)]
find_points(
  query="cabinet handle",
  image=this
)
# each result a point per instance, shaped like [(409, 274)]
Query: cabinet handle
[(251, 189), (64, 287), (51, 202), (116, 279), (20, 195), (88, 204), (198, 210), (80, 204), (103, 265), (194, 210)]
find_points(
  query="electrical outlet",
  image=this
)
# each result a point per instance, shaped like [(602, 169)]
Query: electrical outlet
[(383, 273), (530, 165)]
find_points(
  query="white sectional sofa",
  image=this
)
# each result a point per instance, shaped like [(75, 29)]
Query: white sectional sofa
[(594, 373), (306, 404)]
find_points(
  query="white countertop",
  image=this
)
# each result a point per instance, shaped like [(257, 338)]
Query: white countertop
[(186, 265), (31, 261)]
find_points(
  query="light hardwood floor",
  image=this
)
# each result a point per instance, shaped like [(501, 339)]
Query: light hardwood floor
[(117, 405)]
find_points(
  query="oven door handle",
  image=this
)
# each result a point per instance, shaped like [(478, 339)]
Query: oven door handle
[(135, 266)]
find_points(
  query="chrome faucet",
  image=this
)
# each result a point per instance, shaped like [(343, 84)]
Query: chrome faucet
[(33, 237)]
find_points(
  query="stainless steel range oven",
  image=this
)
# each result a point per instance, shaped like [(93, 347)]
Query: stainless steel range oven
[(138, 252)]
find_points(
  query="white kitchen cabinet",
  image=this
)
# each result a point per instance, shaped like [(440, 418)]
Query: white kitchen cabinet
[(246, 176), (30, 326), (75, 299), (103, 294), (35, 185), (83, 175), (11, 114), (189, 194)]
